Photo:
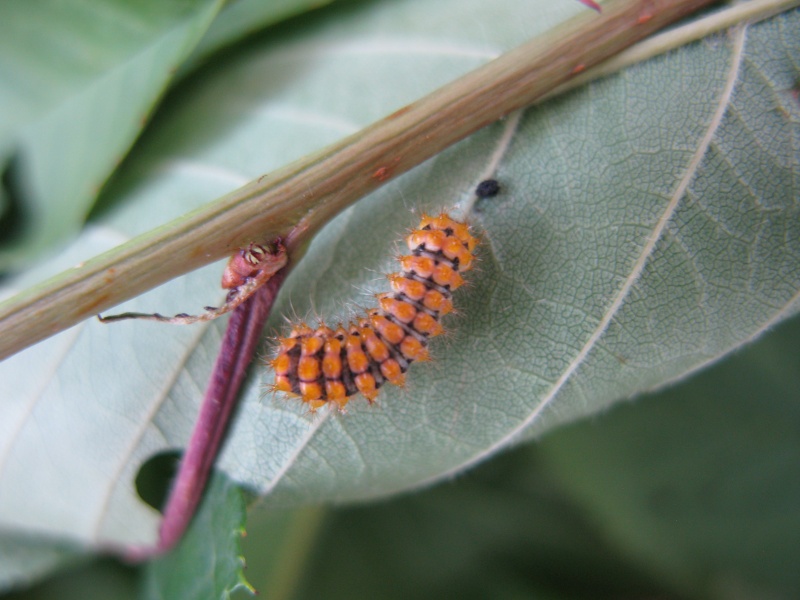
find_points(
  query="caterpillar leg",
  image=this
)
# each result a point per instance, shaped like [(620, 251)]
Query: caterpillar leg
[(247, 270)]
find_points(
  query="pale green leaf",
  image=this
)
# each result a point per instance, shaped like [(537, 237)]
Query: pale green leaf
[(648, 225), (244, 17), (77, 82)]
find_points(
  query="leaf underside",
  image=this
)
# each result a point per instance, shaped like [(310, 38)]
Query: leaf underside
[(648, 224)]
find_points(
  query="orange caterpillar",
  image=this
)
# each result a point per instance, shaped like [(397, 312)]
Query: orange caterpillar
[(324, 365)]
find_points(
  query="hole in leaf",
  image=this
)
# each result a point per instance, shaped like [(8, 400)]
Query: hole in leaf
[(155, 478)]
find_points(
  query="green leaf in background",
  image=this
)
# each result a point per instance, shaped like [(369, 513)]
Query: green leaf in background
[(648, 225), (78, 81), (504, 530), (245, 17), (207, 563), (700, 485), (24, 558), (99, 579)]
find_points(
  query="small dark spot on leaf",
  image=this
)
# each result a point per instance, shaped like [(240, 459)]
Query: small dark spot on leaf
[(487, 189)]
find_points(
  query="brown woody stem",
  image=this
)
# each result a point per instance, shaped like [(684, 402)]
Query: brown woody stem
[(310, 191)]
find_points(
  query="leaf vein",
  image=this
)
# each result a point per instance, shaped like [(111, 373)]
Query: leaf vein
[(145, 422)]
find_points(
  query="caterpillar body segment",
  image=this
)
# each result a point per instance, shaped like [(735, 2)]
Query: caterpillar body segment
[(325, 365)]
